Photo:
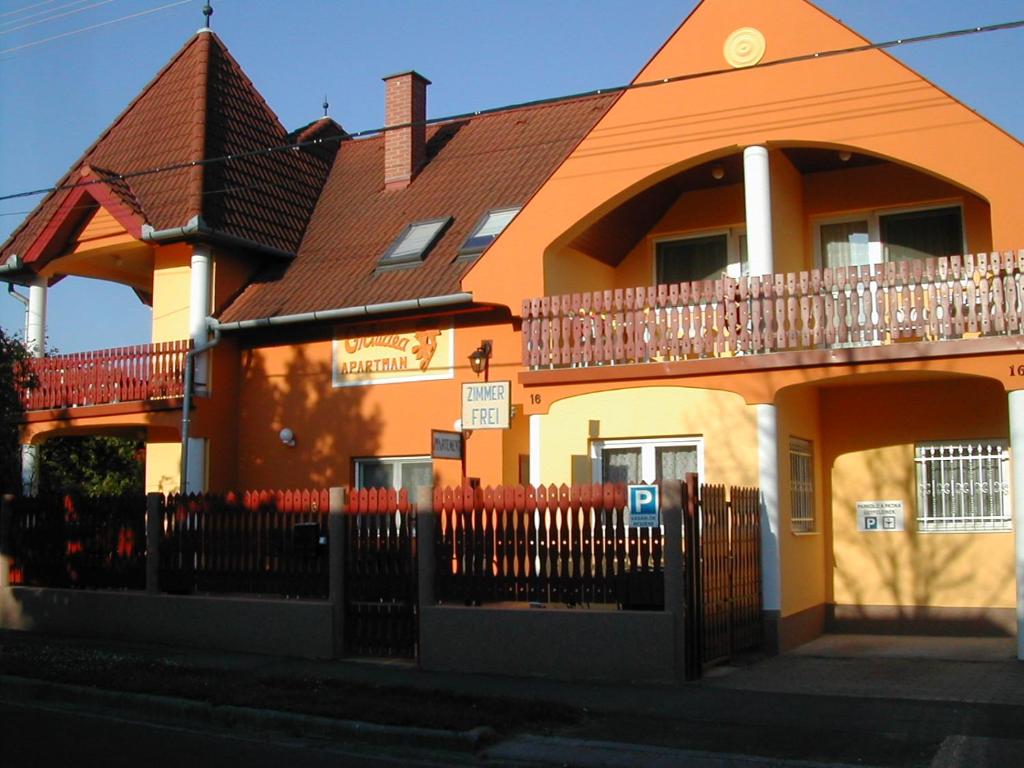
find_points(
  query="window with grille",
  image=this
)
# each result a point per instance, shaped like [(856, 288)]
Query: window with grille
[(649, 460), (801, 485), (963, 486)]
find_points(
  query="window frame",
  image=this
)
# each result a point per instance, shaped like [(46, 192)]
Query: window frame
[(358, 470), (736, 266), (802, 499), (873, 217), (932, 524), (389, 261), (468, 251), (648, 453)]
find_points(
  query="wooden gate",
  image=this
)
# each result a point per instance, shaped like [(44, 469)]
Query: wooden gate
[(380, 575), (724, 575)]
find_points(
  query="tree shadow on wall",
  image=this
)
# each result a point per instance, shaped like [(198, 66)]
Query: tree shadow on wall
[(330, 424), (909, 571)]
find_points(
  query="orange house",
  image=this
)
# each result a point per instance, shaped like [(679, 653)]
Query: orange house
[(773, 268)]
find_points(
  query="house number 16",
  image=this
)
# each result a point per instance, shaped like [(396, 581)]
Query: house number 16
[(1017, 370)]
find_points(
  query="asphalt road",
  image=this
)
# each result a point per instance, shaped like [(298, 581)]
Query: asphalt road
[(38, 737)]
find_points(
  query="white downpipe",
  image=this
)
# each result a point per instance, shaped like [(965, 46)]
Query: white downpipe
[(768, 479), (29, 470), (1017, 488), (35, 318), (535, 449), (199, 308), (758, 196)]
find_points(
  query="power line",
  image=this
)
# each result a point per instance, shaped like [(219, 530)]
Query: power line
[(42, 13), (16, 11), (94, 26), (520, 105), (56, 16)]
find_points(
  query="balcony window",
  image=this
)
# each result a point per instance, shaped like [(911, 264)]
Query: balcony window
[(704, 257), (877, 237)]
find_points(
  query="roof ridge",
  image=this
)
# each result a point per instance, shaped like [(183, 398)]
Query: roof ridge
[(197, 143)]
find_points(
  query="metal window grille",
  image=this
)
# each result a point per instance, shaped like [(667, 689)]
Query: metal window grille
[(963, 486), (801, 485)]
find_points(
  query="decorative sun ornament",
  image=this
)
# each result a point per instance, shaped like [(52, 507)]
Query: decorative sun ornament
[(744, 47)]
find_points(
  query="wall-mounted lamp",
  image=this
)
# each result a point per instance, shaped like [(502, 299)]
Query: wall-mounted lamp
[(287, 437), (479, 358), (844, 155), (717, 172)]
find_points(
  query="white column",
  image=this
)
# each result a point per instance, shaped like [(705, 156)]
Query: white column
[(35, 318), (535, 449), (768, 480), (1017, 488), (758, 196), (199, 308), (29, 470)]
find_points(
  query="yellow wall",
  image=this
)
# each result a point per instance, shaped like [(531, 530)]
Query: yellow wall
[(802, 556), (726, 424), (163, 467), (871, 431), (171, 281), (575, 272), (910, 568)]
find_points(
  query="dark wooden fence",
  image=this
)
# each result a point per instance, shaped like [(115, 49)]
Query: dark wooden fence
[(380, 574), (79, 542), (562, 545), (259, 542), (730, 555)]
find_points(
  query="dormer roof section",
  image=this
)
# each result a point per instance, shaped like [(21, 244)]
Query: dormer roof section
[(161, 161)]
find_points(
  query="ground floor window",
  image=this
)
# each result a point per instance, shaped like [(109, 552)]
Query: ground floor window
[(963, 486), (801, 485), (406, 472), (646, 460)]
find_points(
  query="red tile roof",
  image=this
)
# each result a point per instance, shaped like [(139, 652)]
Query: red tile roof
[(326, 204), (200, 105), (474, 165)]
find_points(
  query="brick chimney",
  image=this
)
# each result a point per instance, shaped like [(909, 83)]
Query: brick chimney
[(405, 148)]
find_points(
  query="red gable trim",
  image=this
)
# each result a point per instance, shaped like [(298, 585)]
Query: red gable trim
[(54, 237)]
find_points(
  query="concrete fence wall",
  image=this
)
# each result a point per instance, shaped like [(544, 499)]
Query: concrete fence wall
[(551, 642), (301, 628)]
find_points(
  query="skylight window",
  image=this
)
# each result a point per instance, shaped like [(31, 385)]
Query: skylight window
[(491, 225), (415, 242)]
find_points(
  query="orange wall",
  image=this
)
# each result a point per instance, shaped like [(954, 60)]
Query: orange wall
[(290, 386), (865, 102)]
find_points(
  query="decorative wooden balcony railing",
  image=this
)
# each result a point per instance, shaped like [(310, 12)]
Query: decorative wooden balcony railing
[(933, 299), (107, 376)]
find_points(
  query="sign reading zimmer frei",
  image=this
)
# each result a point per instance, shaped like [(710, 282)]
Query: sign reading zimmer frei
[(880, 516), (643, 506), (486, 405)]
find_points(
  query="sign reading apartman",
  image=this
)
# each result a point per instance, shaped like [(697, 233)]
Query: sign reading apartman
[(394, 358), (486, 405)]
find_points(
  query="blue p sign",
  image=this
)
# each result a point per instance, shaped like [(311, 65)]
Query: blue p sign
[(643, 506)]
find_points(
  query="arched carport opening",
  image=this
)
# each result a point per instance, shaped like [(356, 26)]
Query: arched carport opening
[(911, 528)]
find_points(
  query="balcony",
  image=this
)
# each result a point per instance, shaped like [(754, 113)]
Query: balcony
[(107, 376), (880, 305)]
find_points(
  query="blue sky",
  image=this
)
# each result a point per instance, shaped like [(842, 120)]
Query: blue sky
[(56, 97)]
